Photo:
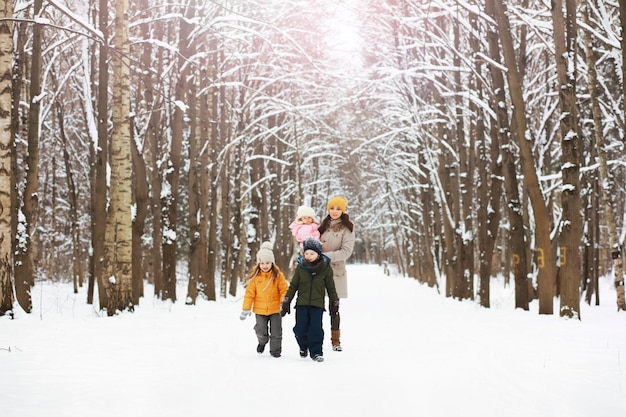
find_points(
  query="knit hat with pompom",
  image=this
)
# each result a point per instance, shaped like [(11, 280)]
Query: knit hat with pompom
[(266, 253), (310, 243)]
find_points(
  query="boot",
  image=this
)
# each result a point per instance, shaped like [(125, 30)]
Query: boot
[(334, 338)]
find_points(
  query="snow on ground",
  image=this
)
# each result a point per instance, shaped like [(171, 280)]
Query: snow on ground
[(407, 351)]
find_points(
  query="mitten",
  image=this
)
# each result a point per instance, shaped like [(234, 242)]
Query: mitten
[(334, 308), (285, 307), (244, 314)]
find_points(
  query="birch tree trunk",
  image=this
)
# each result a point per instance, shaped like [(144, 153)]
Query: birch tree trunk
[(6, 146), (545, 257), (118, 233), (622, 18)]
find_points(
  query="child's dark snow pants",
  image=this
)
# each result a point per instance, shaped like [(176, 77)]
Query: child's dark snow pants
[(308, 329)]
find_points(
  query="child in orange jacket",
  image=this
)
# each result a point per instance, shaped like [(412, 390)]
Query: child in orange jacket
[(265, 288)]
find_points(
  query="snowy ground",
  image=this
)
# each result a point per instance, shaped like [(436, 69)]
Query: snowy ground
[(408, 351)]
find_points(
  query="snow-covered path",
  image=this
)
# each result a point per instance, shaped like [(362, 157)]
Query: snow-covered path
[(407, 351)]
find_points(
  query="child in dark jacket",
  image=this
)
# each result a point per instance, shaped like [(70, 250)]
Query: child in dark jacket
[(312, 279)]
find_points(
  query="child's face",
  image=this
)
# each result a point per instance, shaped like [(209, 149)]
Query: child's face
[(306, 219), (310, 255), (334, 212), (265, 266)]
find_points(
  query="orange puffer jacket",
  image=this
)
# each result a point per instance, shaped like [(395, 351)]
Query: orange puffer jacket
[(264, 293)]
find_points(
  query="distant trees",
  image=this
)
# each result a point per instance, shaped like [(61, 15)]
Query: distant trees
[(439, 89), (466, 150)]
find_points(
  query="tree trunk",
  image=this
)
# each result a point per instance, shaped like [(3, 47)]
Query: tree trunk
[(622, 21), (77, 269), (518, 259), (172, 176), (225, 202), (447, 221), (24, 274), (280, 207), (140, 185), (6, 145), (118, 233), (99, 166), (571, 146), (427, 249), (194, 191), (208, 287), (605, 180), (466, 151), (206, 282), (154, 150), (238, 226), (545, 257)]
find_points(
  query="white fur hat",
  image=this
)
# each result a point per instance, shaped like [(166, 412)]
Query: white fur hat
[(304, 211), (266, 253)]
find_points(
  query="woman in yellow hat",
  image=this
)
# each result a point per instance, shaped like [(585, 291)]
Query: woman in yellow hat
[(337, 236)]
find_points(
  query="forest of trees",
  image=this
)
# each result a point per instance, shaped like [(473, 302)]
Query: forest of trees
[(162, 142)]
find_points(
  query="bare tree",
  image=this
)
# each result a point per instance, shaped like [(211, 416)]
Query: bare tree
[(24, 273), (6, 145), (99, 162), (545, 257), (503, 131), (571, 145), (607, 203), (76, 267)]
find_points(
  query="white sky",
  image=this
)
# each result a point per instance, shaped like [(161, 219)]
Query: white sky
[(343, 34)]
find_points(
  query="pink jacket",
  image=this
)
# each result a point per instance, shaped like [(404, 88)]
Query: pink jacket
[(301, 231)]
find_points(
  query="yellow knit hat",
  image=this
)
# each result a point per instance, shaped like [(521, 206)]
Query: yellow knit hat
[(338, 201)]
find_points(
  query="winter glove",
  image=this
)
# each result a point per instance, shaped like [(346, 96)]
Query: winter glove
[(334, 308), (285, 307), (244, 314)]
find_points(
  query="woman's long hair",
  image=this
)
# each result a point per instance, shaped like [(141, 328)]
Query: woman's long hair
[(345, 221)]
